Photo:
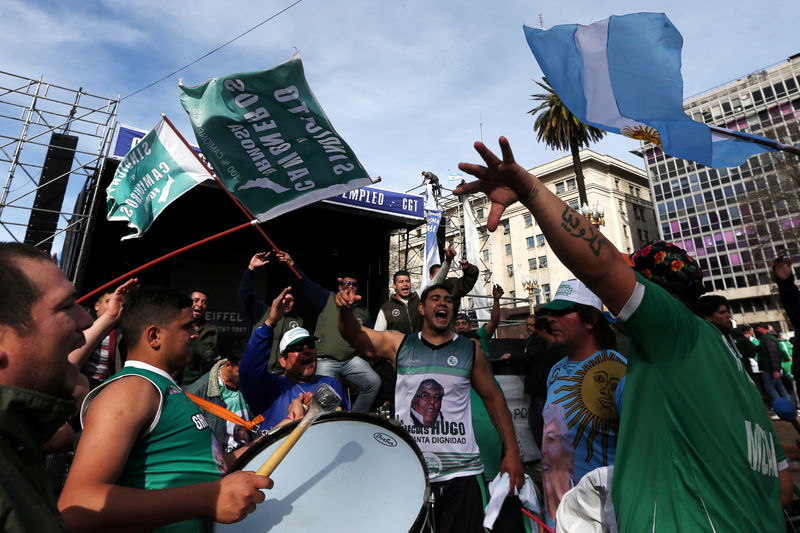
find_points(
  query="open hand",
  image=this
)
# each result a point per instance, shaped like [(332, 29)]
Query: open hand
[(504, 182), (282, 304), (259, 260)]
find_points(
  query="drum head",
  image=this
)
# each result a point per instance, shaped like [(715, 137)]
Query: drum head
[(348, 473)]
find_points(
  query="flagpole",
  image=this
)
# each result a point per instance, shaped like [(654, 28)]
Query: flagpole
[(167, 256), (230, 195), (770, 143)]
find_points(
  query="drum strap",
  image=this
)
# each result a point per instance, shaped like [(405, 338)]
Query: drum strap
[(226, 414)]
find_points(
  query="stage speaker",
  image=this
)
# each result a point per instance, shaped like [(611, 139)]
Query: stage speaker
[(57, 164)]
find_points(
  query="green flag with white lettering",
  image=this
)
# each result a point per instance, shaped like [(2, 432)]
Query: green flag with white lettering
[(269, 141), (155, 172)]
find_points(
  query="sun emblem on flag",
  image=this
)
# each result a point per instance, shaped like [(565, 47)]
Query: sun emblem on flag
[(590, 403), (643, 133)]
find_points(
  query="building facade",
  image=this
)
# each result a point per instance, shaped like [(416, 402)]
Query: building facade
[(735, 221), (518, 248)]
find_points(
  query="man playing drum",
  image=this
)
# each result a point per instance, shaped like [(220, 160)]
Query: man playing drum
[(147, 457), (448, 443)]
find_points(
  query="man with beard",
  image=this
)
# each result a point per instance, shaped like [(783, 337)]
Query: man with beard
[(205, 347), (587, 383), (455, 363), (271, 394), (40, 324), (147, 458)]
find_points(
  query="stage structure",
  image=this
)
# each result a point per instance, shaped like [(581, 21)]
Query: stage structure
[(53, 146)]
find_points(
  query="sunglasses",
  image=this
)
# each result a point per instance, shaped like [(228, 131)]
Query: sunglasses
[(351, 283), (299, 346), (562, 312)]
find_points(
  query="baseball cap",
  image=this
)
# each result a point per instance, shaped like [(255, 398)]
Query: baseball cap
[(294, 335), (573, 292), (462, 316)]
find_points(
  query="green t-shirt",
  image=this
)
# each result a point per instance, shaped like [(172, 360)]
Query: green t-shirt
[(696, 451), (178, 450)]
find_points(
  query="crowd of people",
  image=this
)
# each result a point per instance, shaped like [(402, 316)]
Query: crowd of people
[(633, 375)]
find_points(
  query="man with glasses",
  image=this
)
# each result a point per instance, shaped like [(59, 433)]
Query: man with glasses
[(271, 394), (337, 358)]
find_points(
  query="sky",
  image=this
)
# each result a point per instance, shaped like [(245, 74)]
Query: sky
[(410, 85)]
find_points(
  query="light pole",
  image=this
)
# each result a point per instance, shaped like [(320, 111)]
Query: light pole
[(531, 286), (596, 215)]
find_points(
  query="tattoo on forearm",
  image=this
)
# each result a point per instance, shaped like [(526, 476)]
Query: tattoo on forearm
[(576, 226)]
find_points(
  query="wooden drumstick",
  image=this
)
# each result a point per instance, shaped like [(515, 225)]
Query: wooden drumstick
[(325, 399)]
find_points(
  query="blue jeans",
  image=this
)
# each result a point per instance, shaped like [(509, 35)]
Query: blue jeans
[(358, 373), (774, 387)]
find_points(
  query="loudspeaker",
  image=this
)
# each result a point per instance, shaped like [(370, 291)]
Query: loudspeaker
[(47, 204)]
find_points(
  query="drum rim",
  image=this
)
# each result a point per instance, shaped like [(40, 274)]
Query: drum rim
[(381, 421)]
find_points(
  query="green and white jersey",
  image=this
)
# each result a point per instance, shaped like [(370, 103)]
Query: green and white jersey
[(432, 402), (696, 449), (177, 449)]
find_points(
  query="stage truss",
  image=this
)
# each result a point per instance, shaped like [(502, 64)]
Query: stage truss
[(31, 111)]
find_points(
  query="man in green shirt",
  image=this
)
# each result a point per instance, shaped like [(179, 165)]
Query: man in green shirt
[(696, 450), (147, 455)]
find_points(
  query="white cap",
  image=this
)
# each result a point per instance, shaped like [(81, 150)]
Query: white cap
[(573, 292), (292, 336)]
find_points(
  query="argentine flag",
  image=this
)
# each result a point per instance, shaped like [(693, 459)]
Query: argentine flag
[(623, 75)]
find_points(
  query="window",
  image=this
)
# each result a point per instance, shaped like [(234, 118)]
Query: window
[(542, 261), (419, 232), (480, 212), (528, 220), (546, 290), (506, 228), (616, 184), (510, 270), (560, 188), (540, 240), (625, 230), (486, 255), (530, 242), (508, 249), (571, 184), (532, 263)]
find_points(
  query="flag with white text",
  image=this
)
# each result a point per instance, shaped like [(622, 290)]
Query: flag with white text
[(156, 171), (269, 141)]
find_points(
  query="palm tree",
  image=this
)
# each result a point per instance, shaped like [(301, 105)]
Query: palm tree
[(560, 129)]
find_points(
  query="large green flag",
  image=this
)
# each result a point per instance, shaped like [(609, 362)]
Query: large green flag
[(155, 172), (269, 141)]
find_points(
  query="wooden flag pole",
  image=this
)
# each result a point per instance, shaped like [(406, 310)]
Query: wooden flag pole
[(167, 256), (230, 195)]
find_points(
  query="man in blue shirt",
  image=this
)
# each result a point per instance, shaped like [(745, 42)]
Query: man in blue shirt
[(270, 394)]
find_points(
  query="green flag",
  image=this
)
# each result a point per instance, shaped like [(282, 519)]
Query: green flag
[(269, 141), (155, 172)]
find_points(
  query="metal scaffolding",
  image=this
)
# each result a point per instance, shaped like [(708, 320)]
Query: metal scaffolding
[(31, 111)]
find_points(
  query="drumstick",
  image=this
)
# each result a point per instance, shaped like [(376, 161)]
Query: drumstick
[(324, 399)]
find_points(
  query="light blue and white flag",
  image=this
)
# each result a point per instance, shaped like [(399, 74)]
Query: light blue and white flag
[(432, 219), (623, 75)]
